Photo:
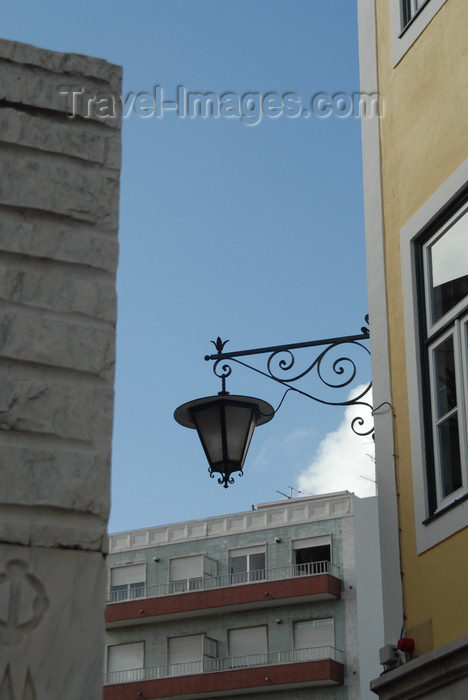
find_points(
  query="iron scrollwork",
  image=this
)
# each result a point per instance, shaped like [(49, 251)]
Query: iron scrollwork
[(331, 368)]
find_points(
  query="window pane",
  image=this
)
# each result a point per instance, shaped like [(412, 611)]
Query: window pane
[(119, 593), (257, 567), (444, 366), (247, 567), (210, 648), (178, 586), (449, 448), (449, 268), (195, 584), (137, 590), (257, 561), (238, 564), (238, 567), (405, 12)]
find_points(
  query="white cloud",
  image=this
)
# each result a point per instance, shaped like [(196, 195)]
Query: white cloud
[(343, 459), (299, 434)]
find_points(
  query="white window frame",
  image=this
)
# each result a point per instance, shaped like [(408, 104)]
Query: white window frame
[(404, 37), (314, 622), (191, 583), (457, 331), (243, 660), (247, 551), (125, 595), (128, 674), (429, 531), (208, 649), (193, 665), (309, 543)]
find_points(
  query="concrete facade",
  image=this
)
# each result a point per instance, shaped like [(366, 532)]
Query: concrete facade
[(59, 190), (280, 596)]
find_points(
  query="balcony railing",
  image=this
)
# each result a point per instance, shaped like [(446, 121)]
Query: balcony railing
[(209, 582), (271, 658)]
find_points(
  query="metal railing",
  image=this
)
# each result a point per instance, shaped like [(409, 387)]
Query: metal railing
[(270, 658), (209, 582)]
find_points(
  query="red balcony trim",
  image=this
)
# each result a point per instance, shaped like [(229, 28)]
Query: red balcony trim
[(325, 672), (222, 597)]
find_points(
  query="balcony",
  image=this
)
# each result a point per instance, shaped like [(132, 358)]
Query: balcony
[(289, 584), (208, 583), (275, 670)]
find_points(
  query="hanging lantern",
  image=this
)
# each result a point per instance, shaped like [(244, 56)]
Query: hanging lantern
[(225, 425)]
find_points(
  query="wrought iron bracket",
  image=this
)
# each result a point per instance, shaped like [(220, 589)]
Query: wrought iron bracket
[(331, 369)]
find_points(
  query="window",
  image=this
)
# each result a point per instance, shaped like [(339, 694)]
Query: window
[(248, 646), (443, 291), (191, 573), (435, 316), (312, 639), (125, 662), (311, 555), (127, 582), (247, 565), (187, 654), (410, 8), (409, 18)]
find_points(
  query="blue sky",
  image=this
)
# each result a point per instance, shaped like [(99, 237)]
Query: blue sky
[(251, 232)]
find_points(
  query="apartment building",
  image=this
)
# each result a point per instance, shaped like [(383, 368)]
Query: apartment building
[(281, 600)]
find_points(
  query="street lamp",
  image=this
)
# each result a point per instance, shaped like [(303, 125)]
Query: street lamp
[(225, 426), (225, 423)]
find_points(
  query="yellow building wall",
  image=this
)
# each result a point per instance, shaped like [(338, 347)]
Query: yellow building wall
[(424, 138)]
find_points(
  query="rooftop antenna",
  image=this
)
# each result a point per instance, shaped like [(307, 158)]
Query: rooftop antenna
[(291, 489), (368, 479), (296, 490)]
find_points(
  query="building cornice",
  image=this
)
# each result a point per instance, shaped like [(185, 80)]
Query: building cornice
[(440, 668), (267, 516)]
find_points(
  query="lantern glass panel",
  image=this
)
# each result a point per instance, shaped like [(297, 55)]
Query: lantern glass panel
[(241, 423), (209, 426)]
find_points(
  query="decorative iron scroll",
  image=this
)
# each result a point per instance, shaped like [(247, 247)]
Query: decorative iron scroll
[(332, 369)]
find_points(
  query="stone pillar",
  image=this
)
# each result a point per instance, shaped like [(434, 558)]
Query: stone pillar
[(59, 189)]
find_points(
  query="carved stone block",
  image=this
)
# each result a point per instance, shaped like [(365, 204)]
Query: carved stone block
[(50, 644), (59, 190)]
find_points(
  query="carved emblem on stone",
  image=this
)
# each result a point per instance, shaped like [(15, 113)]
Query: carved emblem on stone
[(6, 687), (23, 602)]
